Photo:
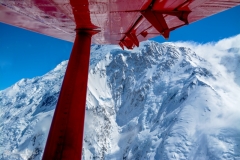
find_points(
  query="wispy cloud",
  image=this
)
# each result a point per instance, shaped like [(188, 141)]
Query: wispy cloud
[(224, 55)]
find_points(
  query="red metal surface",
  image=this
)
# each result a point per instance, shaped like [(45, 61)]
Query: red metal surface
[(66, 133), (115, 18)]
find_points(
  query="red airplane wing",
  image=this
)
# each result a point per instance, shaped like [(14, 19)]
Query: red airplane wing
[(123, 22)]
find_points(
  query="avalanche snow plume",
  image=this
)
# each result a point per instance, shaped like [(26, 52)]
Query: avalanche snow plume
[(158, 101)]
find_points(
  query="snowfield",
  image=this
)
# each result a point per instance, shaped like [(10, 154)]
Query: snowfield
[(159, 101)]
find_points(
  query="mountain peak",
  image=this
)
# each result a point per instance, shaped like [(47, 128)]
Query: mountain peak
[(158, 101)]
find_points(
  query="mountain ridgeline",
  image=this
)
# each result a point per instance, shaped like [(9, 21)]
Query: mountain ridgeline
[(158, 101)]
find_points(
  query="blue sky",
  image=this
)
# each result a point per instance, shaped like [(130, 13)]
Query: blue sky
[(25, 54)]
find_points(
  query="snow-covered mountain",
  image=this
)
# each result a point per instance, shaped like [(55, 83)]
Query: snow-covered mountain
[(158, 101)]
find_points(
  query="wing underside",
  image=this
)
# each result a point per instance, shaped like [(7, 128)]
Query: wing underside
[(123, 22)]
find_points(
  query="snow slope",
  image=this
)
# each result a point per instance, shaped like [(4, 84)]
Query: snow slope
[(158, 101)]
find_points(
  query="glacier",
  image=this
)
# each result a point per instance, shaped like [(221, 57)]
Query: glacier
[(158, 101)]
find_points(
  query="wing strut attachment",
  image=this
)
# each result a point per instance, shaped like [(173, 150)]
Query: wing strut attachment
[(65, 137)]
